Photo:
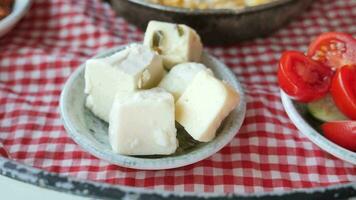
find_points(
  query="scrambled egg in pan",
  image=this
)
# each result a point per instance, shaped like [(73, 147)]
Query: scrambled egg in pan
[(211, 4)]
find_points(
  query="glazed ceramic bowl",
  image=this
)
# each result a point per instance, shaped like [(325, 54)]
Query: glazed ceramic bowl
[(310, 127), (20, 8), (91, 133), (216, 26)]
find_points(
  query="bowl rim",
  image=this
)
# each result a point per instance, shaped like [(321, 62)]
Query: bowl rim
[(317, 138), (20, 8), (146, 163), (243, 10)]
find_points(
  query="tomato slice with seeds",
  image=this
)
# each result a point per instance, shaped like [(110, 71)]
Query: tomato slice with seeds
[(342, 133), (302, 78), (343, 90), (333, 49)]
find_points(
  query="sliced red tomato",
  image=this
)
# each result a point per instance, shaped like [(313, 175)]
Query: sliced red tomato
[(302, 78), (342, 133), (333, 49), (343, 90)]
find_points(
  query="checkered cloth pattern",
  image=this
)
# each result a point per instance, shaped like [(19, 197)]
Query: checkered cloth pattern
[(268, 154)]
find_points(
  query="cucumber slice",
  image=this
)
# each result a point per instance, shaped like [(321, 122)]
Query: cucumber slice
[(325, 110)]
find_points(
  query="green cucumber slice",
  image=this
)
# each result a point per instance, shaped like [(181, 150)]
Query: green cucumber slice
[(325, 110)]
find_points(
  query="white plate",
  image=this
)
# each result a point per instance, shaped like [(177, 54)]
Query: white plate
[(296, 115), (91, 133), (19, 10)]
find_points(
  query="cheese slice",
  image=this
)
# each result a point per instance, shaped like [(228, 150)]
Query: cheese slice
[(179, 77), (177, 43), (136, 67), (203, 106), (142, 123)]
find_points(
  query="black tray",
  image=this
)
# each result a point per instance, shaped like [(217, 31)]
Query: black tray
[(53, 181)]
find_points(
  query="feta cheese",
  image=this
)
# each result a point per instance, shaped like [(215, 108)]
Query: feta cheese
[(177, 43), (203, 106), (136, 67), (178, 78), (142, 123)]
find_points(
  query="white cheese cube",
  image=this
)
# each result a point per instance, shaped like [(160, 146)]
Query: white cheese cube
[(203, 106), (133, 68), (180, 76), (142, 123), (177, 43)]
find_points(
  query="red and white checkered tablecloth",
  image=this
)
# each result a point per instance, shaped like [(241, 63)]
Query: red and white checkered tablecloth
[(268, 154)]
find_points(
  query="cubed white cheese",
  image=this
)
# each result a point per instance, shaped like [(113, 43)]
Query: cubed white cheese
[(180, 76), (133, 68), (177, 43), (142, 123), (203, 106)]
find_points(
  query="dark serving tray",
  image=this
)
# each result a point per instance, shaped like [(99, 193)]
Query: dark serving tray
[(53, 181)]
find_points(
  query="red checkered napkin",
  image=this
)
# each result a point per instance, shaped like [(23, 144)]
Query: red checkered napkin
[(268, 154)]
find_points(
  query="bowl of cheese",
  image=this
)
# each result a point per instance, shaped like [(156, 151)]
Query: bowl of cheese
[(160, 104), (217, 21)]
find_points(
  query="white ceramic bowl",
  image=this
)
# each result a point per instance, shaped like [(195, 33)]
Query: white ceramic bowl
[(296, 114), (91, 133), (19, 10)]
